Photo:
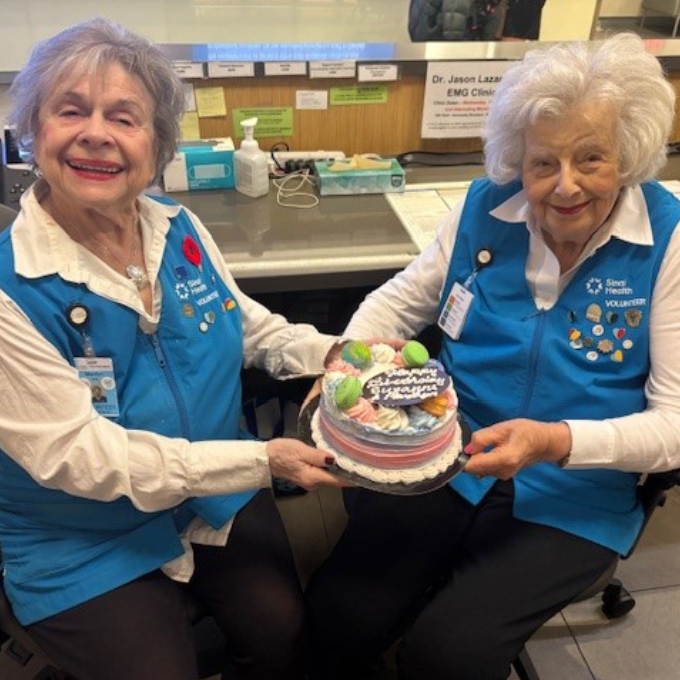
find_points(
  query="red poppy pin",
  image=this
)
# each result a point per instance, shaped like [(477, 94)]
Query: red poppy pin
[(191, 251)]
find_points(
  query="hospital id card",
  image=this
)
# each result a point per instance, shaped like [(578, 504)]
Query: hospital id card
[(455, 311), (97, 373)]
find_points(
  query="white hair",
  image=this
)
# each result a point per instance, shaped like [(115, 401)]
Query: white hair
[(551, 82)]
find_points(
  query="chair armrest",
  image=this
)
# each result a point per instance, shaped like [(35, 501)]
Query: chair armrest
[(652, 494), (652, 491), (666, 479), (12, 628)]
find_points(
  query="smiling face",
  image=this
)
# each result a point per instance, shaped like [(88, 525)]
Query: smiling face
[(570, 174), (95, 145)]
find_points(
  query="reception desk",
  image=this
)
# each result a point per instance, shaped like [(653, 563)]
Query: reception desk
[(344, 241)]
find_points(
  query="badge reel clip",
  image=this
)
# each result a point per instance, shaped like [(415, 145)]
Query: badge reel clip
[(483, 259), (79, 316)]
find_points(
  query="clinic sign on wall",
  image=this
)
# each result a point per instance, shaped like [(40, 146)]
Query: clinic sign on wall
[(457, 97)]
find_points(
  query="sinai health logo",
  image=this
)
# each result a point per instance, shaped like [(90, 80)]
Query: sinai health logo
[(594, 285)]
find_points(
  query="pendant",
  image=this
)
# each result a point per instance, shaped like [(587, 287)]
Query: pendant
[(137, 276)]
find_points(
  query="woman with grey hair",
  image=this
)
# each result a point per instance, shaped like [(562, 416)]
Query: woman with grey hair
[(125, 508), (554, 283)]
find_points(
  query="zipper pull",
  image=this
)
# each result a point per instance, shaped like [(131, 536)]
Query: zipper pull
[(157, 349)]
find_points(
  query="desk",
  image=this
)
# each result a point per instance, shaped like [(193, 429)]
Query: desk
[(345, 241)]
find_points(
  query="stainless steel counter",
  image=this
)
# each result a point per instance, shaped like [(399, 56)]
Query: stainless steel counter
[(343, 241), (261, 239)]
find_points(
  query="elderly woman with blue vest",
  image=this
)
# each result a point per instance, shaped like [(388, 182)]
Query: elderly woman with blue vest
[(555, 284), (128, 498)]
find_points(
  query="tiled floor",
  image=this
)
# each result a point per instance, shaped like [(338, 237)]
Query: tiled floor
[(580, 643)]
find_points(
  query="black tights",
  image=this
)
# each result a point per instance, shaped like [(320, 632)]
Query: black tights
[(462, 587), (143, 630)]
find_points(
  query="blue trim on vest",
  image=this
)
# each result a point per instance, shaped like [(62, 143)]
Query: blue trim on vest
[(60, 550), (514, 361)]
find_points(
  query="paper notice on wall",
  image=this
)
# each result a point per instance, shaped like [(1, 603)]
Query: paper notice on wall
[(231, 69), (210, 101), (311, 99), (344, 68), (189, 125), (457, 97)]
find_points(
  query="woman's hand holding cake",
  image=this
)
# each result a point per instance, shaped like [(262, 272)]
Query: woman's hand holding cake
[(303, 465), (509, 446)]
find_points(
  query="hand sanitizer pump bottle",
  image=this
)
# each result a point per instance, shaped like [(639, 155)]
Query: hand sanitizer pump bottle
[(251, 169)]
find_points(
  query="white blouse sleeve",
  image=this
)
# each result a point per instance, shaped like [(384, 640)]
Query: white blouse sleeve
[(408, 302)]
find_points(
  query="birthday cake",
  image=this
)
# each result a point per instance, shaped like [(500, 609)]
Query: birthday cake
[(388, 416)]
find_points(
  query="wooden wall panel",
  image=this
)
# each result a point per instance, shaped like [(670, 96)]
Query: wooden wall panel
[(386, 129)]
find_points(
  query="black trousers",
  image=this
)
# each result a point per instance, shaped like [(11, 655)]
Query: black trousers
[(142, 630), (463, 587)]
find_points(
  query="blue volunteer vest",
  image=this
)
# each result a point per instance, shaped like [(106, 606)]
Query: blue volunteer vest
[(586, 358), (182, 381)]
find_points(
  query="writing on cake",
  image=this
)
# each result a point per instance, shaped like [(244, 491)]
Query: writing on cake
[(404, 386)]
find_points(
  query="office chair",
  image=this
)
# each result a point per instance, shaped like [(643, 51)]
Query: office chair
[(7, 216), (616, 600)]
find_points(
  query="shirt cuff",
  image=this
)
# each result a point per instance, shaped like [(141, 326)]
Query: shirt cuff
[(307, 360), (592, 444), (221, 467)]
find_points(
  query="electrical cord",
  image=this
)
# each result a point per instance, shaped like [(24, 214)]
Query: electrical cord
[(284, 194), (279, 146)]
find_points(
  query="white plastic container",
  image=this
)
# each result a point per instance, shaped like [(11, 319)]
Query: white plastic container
[(251, 169)]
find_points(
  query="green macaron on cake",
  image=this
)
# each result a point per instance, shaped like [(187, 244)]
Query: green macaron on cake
[(414, 354), (356, 353), (348, 392)]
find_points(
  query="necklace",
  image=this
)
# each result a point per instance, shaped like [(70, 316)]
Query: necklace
[(134, 272)]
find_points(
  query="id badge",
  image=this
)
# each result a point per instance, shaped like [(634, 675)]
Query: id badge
[(455, 311), (97, 374)]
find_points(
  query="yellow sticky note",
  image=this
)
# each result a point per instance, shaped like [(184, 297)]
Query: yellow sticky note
[(210, 101), (189, 127)]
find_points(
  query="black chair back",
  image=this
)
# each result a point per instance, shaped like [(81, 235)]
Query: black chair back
[(7, 216)]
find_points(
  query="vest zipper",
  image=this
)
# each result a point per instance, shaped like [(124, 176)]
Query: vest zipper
[(172, 384), (533, 362)]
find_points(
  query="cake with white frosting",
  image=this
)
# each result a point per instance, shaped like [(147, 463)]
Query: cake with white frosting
[(388, 416)]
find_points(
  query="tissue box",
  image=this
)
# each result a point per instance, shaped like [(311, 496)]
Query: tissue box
[(358, 181), (203, 164)]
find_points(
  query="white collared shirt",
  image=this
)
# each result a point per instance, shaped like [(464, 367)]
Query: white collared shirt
[(641, 442), (48, 424)]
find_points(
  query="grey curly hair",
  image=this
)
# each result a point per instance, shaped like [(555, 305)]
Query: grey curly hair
[(550, 82), (87, 47)]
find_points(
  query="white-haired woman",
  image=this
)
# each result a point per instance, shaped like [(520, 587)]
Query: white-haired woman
[(122, 507), (564, 266)]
